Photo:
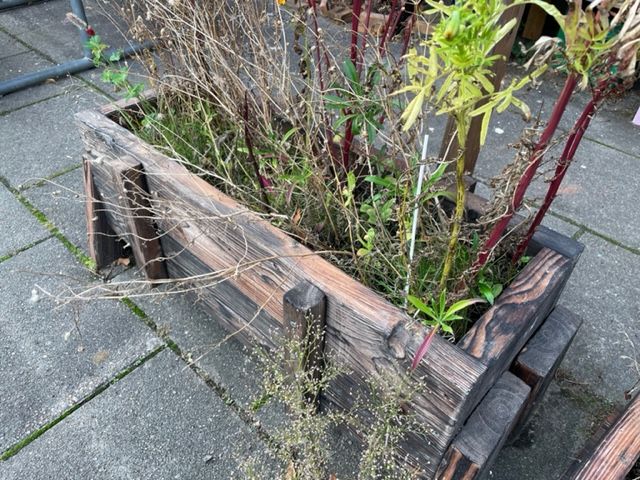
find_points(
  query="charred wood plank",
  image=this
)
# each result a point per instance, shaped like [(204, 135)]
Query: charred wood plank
[(541, 356), (497, 337), (305, 308), (476, 446), (616, 454), (104, 245), (126, 203)]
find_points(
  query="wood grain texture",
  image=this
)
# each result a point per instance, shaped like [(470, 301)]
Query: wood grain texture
[(305, 308), (103, 243), (497, 337), (541, 356), (476, 446), (207, 232), (617, 452), (126, 202)]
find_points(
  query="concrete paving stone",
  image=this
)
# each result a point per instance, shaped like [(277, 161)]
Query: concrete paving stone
[(18, 226), (21, 64), (201, 338), (549, 442), (56, 353), (160, 421), (599, 191), (62, 200), (54, 35), (38, 93), (604, 290), (9, 47), (43, 139), (232, 366)]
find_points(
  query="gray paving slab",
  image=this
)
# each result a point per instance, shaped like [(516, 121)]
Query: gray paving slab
[(18, 226), (201, 338), (62, 200), (160, 421), (558, 430), (42, 139), (9, 47), (53, 34), (232, 366), (53, 354), (604, 290)]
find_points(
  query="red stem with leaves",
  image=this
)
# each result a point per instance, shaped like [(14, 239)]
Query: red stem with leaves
[(568, 154), (497, 232)]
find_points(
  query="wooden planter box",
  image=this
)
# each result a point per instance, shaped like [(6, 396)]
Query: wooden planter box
[(614, 449), (472, 395)]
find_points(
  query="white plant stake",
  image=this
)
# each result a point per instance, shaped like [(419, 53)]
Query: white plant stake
[(416, 212)]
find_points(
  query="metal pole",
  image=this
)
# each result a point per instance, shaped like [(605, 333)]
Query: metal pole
[(67, 68), (77, 7)]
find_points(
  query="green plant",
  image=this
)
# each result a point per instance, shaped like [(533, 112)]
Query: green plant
[(118, 77), (455, 76), (439, 316)]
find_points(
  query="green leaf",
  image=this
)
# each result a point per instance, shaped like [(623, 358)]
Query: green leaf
[(462, 304), (350, 71), (115, 56), (387, 182), (420, 305), (410, 115), (486, 292)]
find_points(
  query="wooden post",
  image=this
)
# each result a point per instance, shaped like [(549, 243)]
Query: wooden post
[(449, 147), (617, 452), (476, 446), (143, 234), (305, 308), (104, 245), (128, 209), (499, 335), (539, 359)]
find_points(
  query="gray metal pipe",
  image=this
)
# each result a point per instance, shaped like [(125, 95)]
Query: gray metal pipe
[(67, 68), (77, 7)]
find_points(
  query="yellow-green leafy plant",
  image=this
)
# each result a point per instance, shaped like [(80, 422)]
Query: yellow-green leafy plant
[(454, 74)]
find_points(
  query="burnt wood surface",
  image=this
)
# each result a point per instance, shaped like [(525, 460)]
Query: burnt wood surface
[(239, 267), (305, 308), (103, 243), (497, 337), (476, 446), (616, 454), (205, 231), (541, 356), (121, 185)]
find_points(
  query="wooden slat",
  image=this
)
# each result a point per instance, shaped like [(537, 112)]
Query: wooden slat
[(476, 446), (305, 308), (497, 337), (103, 243), (127, 206), (614, 457), (365, 334), (541, 356)]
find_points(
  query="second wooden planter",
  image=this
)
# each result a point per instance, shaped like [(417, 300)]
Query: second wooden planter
[(471, 395)]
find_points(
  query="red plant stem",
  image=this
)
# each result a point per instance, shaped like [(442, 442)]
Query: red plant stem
[(497, 232), (356, 10), (570, 148), (367, 22), (390, 25), (262, 181)]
